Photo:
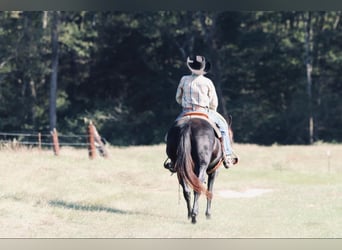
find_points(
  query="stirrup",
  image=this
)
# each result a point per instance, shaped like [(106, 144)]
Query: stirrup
[(169, 166), (235, 158), (229, 161)]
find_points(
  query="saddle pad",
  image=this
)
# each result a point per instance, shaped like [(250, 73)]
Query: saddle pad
[(203, 116)]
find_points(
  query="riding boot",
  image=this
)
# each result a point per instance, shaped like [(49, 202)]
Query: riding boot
[(228, 160), (224, 156), (235, 159), (169, 165)]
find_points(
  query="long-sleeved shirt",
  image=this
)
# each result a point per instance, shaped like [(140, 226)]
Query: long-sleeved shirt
[(196, 91)]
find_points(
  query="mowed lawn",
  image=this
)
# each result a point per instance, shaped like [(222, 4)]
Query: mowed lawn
[(274, 192)]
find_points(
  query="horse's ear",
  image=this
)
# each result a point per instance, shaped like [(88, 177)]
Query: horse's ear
[(230, 120), (230, 130), (231, 134)]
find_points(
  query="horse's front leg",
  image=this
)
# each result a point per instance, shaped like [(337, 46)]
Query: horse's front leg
[(211, 179)]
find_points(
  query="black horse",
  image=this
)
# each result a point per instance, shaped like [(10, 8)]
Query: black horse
[(196, 152)]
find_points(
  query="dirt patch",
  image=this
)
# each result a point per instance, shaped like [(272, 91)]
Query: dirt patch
[(249, 193)]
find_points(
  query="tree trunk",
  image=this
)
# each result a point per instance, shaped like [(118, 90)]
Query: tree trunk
[(308, 61), (216, 69), (54, 69)]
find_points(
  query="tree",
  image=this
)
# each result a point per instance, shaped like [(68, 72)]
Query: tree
[(54, 68), (121, 70)]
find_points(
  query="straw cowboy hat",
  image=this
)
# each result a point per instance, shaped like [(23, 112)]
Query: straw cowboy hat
[(198, 65)]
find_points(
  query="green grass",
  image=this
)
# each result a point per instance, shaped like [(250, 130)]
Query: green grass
[(130, 195)]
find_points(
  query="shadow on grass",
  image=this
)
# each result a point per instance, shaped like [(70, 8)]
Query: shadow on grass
[(93, 208), (88, 208)]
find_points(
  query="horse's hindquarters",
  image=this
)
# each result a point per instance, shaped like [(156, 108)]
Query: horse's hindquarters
[(191, 146)]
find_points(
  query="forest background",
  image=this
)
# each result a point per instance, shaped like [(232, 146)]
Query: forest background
[(277, 73)]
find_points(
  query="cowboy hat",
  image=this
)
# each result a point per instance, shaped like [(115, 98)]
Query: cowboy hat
[(197, 65)]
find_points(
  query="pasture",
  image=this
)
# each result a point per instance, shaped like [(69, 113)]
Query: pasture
[(274, 192)]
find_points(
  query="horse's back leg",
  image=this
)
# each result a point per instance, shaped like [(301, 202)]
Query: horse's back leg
[(195, 208), (194, 211), (211, 180), (187, 197)]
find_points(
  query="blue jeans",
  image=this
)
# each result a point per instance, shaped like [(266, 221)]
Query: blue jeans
[(223, 126)]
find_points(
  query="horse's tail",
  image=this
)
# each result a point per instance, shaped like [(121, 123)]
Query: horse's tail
[(185, 164)]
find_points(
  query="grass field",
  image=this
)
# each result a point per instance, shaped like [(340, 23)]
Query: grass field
[(274, 192)]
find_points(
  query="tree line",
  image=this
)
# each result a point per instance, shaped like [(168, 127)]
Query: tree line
[(277, 73)]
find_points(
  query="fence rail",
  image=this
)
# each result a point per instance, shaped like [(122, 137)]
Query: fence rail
[(92, 141)]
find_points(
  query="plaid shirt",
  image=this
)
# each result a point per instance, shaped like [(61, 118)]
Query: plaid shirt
[(196, 91)]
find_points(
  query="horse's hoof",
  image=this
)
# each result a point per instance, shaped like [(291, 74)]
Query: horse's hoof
[(193, 220), (208, 216)]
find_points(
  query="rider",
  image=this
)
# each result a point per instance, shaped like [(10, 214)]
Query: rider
[(196, 92)]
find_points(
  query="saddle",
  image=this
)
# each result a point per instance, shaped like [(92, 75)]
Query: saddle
[(204, 116)]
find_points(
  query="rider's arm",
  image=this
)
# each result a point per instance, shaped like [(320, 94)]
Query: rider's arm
[(212, 97), (179, 93)]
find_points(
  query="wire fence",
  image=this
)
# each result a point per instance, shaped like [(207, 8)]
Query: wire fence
[(42, 139), (53, 140)]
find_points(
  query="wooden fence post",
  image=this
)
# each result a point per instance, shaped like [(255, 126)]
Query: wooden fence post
[(91, 140), (55, 142), (99, 144), (39, 141)]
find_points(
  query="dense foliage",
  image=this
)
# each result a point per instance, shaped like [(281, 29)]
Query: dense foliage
[(121, 70)]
